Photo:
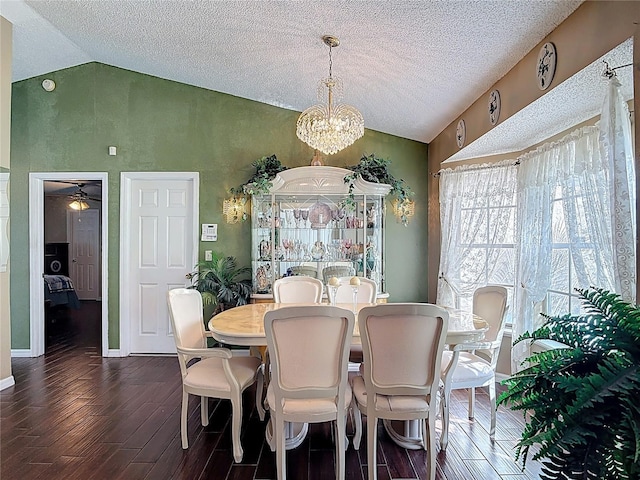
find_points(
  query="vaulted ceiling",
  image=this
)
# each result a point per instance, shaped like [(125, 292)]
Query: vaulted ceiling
[(410, 67)]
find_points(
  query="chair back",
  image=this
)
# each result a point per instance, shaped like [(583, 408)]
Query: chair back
[(309, 352), (185, 312), (402, 345), (297, 289), (337, 271), (367, 291), (490, 303), (306, 270)]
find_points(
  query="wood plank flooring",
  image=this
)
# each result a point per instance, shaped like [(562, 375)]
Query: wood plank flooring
[(76, 415)]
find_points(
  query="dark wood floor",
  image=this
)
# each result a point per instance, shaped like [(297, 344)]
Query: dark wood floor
[(75, 415)]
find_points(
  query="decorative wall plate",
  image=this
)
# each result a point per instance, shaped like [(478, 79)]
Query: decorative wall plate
[(546, 65), (494, 106), (461, 133)]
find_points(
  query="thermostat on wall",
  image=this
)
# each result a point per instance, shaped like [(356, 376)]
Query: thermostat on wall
[(209, 232)]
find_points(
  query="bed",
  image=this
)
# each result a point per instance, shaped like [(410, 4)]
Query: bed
[(59, 290)]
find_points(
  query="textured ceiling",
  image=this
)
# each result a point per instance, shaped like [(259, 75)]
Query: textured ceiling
[(410, 67)]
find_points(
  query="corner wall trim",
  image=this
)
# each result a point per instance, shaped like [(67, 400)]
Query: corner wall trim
[(21, 352), (7, 382)]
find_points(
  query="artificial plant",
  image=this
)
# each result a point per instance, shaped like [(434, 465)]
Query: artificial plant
[(376, 170), (260, 182), (581, 402), (222, 283)]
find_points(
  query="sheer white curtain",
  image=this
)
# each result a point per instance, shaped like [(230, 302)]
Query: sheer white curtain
[(472, 218), (617, 150), (574, 174)]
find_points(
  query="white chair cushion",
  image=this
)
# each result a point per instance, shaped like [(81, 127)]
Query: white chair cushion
[(208, 373), (395, 403), (470, 368), (309, 406)]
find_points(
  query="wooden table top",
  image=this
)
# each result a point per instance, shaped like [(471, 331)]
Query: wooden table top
[(244, 325)]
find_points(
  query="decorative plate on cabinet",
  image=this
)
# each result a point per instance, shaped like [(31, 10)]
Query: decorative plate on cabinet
[(461, 133), (494, 106), (546, 65), (319, 215)]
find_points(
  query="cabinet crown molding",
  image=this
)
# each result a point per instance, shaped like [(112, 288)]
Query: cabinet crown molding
[(324, 180)]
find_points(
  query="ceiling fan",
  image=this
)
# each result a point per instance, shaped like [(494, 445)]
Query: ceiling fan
[(79, 197)]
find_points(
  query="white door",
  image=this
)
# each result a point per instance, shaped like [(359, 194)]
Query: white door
[(85, 253), (161, 252)]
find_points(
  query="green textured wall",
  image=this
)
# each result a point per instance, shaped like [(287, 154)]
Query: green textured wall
[(160, 125)]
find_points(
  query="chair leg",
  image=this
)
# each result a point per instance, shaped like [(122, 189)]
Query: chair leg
[(204, 411), (236, 423), (278, 437), (269, 433), (183, 420), (259, 392), (492, 401), (430, 444), (444, 436), (472, 402), (341, 445), (357, 421), (372, 440)]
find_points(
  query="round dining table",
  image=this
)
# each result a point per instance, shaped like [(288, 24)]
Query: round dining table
[(244, 326)]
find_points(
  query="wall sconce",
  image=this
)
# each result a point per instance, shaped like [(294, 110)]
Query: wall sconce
[(234, 209), (403, 210)]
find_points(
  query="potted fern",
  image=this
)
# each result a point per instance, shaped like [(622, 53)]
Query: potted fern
[(581, 402), (222, 283)]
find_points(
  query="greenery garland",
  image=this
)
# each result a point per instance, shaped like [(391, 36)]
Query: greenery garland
[(260, 182), (376, 170)]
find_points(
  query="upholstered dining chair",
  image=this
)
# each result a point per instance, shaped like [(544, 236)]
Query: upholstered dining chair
[(217, 374), (307, 270), (402, 345), (471, 365), (309, 347), (367, 292), (337, 271), (297, 289)]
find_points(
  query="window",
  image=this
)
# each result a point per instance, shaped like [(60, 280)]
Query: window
[(478, 218), (490, 248)]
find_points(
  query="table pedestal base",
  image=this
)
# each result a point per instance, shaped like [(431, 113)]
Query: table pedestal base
[(406, 433), (294, 434)]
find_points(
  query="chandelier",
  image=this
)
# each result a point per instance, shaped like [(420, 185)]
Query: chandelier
[(330, 127)]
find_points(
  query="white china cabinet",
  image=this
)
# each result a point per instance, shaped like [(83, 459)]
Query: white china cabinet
[(309, 221)]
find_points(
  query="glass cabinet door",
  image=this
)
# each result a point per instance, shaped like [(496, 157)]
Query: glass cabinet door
[(303, 234)]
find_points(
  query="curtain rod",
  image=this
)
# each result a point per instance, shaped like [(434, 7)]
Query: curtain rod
[(610, 72), (439, 172)]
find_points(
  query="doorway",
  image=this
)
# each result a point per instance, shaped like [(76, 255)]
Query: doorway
[(76, 313)]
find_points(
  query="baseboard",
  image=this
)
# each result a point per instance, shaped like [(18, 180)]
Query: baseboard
[(7, 382), (114, 352), (21, 352)]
